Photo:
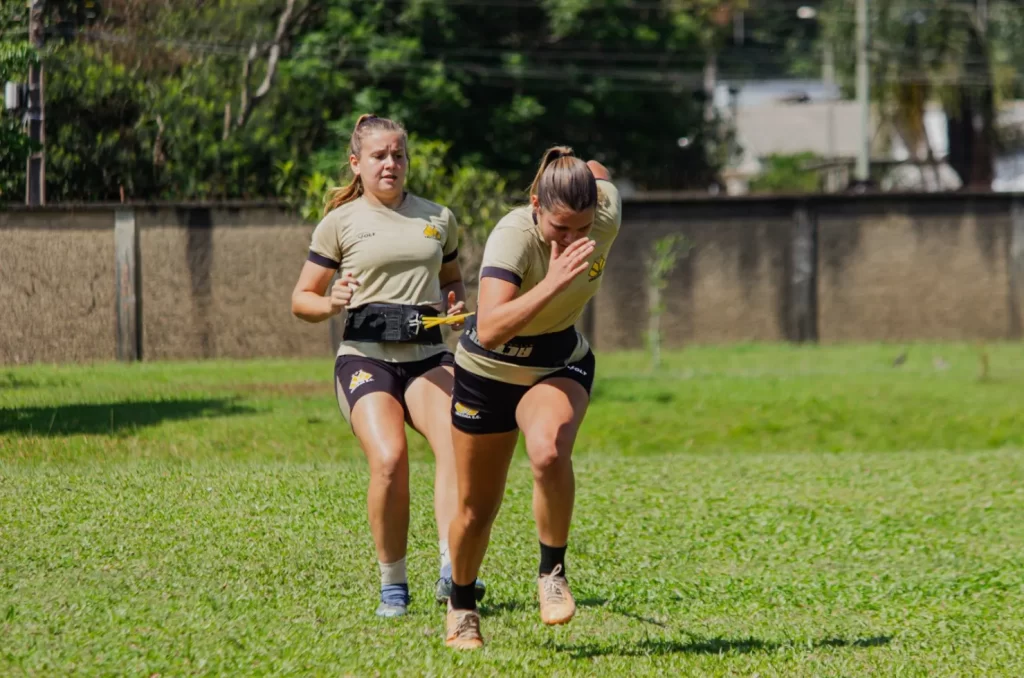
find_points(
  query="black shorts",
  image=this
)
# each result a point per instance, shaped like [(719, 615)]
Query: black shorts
[(355, 376), (482, 405)]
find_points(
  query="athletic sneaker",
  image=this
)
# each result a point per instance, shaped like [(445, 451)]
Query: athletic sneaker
[(463, 632), (556, 602), (394, 600), (443, 588)]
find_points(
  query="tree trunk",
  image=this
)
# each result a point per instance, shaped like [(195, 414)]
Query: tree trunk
[(960, 130), (972, 124)]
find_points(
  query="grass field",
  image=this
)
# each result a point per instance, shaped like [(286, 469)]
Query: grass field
[(754, 510)]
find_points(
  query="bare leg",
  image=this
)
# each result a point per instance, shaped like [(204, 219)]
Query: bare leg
[(550, 415), (481, 462), (378, 421), (429, 401)]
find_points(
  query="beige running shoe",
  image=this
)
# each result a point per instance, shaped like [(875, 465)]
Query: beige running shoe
[(463, 629), (556, 602)]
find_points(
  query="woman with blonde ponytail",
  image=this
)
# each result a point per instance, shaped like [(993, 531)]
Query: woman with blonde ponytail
[(397, 256), (523, 366)]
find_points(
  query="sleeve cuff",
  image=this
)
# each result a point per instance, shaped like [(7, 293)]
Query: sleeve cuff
[(501, 274), (321, 260), (451, 256)]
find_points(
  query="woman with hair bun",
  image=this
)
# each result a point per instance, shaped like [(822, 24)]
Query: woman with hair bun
[(521, 365)]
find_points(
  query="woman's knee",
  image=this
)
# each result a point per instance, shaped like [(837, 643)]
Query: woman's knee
[(549, 453), (390, 461), (478, 514)]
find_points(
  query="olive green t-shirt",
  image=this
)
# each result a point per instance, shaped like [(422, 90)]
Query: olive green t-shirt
[(395, 254), (516, 252)]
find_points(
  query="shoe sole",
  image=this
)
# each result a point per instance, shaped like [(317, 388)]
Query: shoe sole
[(390, 613), (559, 622), (464, 647)]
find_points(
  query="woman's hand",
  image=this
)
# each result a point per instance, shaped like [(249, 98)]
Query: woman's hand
[(455, 308), (341, 292), (566, 264)]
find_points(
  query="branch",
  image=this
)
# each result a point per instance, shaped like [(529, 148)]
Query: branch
[(159, 157), (274, 50)]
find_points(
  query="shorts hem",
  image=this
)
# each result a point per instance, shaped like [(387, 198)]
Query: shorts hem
[(476, 430)]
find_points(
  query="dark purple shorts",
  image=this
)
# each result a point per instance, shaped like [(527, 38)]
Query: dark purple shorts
[(355, 376), (482, 405)]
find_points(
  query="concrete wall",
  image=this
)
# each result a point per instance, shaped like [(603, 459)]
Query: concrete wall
[(215, 281), (56, 286), (730, 286), (934, 269)]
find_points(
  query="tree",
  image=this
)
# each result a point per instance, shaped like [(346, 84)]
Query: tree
[(501, 83), (185, 99), (787, 174), (949, 51), (15, 57)]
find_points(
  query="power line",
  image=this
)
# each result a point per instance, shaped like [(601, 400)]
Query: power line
[(655, 59), (543, 65)]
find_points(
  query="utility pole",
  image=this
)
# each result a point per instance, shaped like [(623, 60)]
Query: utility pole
[(863, 93), (35, 183)]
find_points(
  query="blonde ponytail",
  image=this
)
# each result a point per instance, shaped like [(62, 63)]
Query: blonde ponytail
[(367, 122), (338, 196)]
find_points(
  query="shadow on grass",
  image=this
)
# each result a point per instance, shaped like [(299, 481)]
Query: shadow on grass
[(664, 646), (111, 418), (601, 602), (501, 608)]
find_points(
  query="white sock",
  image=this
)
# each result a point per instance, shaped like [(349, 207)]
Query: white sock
[(393, 573), (446, 558)]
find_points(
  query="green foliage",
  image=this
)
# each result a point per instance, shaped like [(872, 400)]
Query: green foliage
[(944, 52), (91, 156), (167, 82), (15, 58), (17, 147), (783, 173), (661, 261), (477, 196)]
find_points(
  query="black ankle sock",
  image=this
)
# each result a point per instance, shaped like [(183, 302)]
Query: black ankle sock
[(462, 597), (550, 556)]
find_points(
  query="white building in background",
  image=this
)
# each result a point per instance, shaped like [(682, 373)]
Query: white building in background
[(786, 117), (794, 116)]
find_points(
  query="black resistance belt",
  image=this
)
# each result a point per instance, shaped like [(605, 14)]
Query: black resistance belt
[(391, 322), (541, 350)]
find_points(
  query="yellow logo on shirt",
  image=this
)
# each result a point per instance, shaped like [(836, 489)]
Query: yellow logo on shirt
[(597, 269), (358, 379), (432, 232), (466, 412)]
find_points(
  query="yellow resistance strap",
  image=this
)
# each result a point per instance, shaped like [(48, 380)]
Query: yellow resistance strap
[(434, 321)]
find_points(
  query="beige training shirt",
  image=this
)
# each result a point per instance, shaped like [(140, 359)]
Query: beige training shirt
[(517, 252), (395, 254)]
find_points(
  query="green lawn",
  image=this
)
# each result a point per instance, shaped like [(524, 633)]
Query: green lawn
[(769, 510)]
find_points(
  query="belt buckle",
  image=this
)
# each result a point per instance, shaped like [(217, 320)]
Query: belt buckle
[(415, 324)]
